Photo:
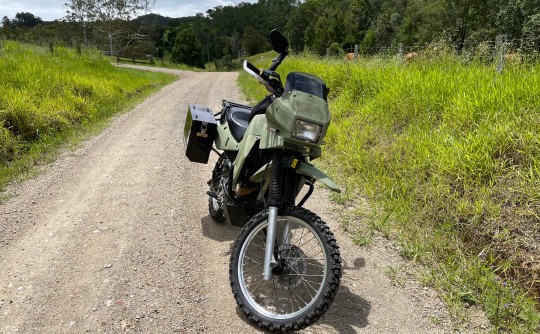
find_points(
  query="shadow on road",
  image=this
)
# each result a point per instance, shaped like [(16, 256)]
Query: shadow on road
[(346, 314), (349, 311), (219, 231)]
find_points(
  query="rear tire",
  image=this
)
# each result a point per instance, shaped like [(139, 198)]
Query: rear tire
[(305, 278), (215, 206)]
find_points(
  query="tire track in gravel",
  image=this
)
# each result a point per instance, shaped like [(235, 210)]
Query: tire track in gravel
[(116, 237)]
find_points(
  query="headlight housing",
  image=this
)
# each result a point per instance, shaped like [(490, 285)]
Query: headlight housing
[(307, 131)]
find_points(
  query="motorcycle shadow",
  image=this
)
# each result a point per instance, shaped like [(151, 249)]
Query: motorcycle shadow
[(348, 313), (220, 232)]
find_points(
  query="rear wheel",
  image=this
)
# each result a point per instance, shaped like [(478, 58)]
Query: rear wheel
[(215, 204), (306, 272)]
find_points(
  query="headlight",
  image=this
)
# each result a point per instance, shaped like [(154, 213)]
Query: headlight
[(307, 131)]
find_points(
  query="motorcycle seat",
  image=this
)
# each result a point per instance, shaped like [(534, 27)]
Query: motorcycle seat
[(238, 120)]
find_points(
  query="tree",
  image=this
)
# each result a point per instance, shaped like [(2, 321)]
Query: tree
[(369, 43), (26, 20), (531, 31), (298, 24), (82, 12), (113, 18), (188, 49), (7, 23), (423, 22), (253, 42)]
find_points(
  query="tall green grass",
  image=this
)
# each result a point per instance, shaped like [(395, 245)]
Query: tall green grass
[(448, 154), (44, 96)]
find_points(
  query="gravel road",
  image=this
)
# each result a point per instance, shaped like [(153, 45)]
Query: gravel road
[(115, 237)]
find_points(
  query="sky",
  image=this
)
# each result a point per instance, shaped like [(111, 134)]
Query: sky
[(50, 10)]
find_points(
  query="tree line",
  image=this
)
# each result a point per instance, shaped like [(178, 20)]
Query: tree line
[(225, 33)]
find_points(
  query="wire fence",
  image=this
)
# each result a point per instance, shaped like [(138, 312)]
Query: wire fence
[(514, 50)]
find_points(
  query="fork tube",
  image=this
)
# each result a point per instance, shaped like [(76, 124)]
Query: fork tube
[(274, 199), (270, 240), (287, 233)]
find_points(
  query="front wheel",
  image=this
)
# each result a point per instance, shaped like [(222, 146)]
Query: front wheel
[(306, 270)]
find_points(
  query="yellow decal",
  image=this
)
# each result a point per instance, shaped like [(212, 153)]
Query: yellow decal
[(294, 163)]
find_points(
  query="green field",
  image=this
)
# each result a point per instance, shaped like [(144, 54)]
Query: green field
[(47, 99), (447, 153)]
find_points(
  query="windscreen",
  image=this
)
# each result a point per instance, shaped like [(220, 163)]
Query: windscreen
[(306, 83)]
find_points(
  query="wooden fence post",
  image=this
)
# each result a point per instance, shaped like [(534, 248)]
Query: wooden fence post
[(51, 47), (500, 51)]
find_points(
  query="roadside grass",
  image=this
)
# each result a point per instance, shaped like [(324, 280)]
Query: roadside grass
[(49, 100), (263, 59), (447, 153)]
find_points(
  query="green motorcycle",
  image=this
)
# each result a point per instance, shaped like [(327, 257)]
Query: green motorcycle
[(285, 267)]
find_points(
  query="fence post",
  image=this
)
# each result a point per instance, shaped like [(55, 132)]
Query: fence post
[(400, 51), (327, 52), (79, 51), (51, 47), (355, 52), (500, 51)]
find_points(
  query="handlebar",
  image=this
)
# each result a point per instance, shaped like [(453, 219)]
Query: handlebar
[(263, 76), (252, 67)]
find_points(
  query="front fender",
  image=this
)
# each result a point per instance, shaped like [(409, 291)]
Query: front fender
[(305, 169)]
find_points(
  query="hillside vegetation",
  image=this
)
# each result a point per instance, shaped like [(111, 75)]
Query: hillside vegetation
[(44, 95), (448, 156)]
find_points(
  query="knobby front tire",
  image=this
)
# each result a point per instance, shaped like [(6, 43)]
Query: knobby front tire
[(306, 275)]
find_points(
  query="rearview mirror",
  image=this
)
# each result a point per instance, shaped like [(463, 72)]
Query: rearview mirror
[(279, 42)]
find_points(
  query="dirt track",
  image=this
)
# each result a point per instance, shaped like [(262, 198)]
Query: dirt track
[(115, 237)]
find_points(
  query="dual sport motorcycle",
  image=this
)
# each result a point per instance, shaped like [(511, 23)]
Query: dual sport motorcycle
[(285, 267)]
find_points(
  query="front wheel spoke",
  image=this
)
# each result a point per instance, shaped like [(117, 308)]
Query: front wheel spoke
[(296, 259), (307, 285), (316, 265), (299, 298), (250, 259), (254, 293), (255, 245), (295, 300), (250, 269), (275, 294), (305, 275), (305, 254)]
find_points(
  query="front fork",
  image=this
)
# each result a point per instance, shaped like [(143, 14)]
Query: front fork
[(270, 240), (274, 201)]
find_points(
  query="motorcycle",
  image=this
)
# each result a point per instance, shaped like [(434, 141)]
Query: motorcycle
[(285, 267)]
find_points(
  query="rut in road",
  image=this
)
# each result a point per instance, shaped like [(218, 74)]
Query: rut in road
[(116, 237)]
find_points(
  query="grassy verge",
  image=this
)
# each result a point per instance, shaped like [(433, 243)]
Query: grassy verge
[(48, 99), (448, 156)]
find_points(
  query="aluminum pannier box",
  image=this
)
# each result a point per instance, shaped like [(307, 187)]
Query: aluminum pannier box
[(200, 131)]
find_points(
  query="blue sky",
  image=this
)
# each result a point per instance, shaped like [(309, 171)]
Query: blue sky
[(50, 10)]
